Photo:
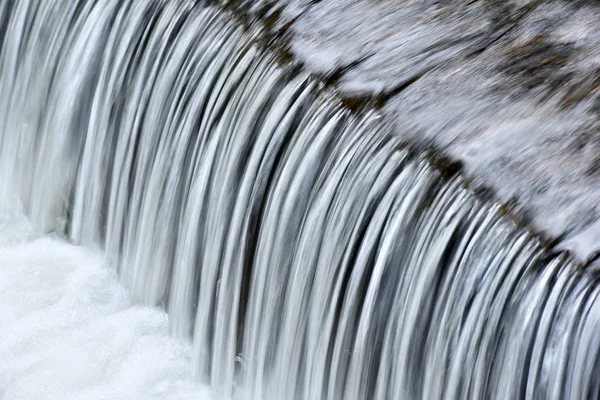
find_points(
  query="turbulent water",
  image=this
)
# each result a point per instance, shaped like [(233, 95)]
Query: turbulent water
[(298, 248), (69, 331)]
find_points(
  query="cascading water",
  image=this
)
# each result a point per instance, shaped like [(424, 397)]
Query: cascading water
[(298, 247)]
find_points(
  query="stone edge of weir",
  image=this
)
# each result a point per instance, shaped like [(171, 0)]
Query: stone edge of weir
[(491, 91)]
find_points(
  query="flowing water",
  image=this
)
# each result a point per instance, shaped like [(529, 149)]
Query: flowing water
[(298, 249), (68, 330)]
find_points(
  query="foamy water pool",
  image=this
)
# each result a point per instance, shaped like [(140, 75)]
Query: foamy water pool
[(69, 331)]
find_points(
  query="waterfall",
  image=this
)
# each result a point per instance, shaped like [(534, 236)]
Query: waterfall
[(299, 247)]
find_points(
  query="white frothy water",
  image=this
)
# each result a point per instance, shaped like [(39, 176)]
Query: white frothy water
[(68, 329)]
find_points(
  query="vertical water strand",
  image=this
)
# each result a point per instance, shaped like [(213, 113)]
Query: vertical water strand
[(584, 358), (466, 267), (489, 296), (274, 135), (518, 361), (226, 138), (218, 198), (141, 64), (340, 345), (291, 357), (274, 131), (368, 300), (523, 255), (241, 174), (147, 131), (36, 50), (88, 220), (285, 206), (365, 267), (208, 103), (503, 311), (401, 365), (560, 346), (16, 143), (368, 177), (462, 273), (155, 236), (552, 346), (60, 136), (5, 13), (235, 135), (541, 348), (204, 70)]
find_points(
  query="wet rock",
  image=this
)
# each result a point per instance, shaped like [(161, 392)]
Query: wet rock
[(522, 116), (508, 88)]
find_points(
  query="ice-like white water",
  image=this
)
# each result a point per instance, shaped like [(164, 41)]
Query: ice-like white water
[(69, 331)]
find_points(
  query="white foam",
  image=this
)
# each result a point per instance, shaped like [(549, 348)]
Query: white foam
[(69, 331)]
